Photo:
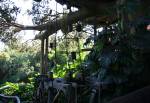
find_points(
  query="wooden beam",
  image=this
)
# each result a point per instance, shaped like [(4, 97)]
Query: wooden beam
[(82, 50), (62, 23), (51, 25)]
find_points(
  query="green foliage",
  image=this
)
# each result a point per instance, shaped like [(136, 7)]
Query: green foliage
[(23, 90), (19, 68), (4, 56), (8, 13), (16, 66), (115, 63), (63, 64), (11, 88), (8, 10), (40, 11)]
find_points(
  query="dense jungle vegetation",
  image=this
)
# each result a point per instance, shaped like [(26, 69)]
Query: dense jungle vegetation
[(119, 46)]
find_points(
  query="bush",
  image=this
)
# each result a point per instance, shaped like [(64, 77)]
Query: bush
[(16, 66), (23, 90)]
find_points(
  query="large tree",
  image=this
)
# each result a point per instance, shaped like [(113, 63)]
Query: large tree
[(8, 13)]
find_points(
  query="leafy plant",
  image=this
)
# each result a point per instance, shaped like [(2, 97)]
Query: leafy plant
[(16, 66), (23, 90)]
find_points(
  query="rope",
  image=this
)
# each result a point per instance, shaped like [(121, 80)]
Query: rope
[(66, 45), (79, 49), (46, 55), (67, 53), (56, 39)]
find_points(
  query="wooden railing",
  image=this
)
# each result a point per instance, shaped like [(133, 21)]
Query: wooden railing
[(9, 98)]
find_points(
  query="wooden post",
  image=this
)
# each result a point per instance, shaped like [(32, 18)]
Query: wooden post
[(95, 33), (42, 57), (46, 55)]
